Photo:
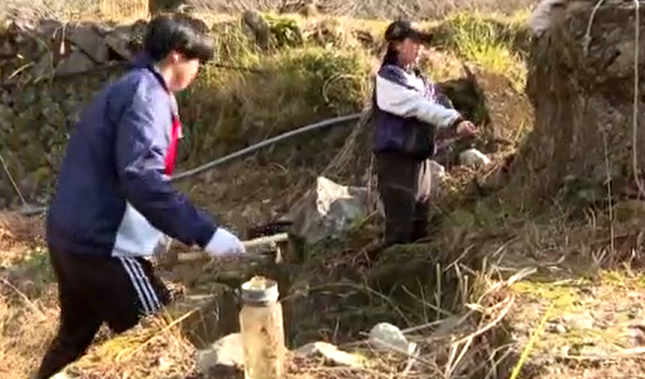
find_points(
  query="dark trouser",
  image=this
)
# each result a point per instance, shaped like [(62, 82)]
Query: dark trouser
[(93, 290), (404, 185)]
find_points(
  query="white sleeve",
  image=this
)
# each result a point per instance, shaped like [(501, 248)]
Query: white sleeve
[(401, 101)]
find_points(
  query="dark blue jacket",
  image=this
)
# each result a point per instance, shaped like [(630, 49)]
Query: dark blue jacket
[(114, 197), (406, 111)]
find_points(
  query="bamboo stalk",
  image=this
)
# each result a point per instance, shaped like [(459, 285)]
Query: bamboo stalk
[(262, 241)]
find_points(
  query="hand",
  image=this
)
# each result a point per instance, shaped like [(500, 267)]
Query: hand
[(466, 129), (224, 244)]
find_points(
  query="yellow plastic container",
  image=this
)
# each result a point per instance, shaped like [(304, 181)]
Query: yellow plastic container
[(262, 330)]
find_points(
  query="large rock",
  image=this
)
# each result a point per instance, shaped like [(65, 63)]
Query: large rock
[(89, 40), (125, 40), (328, 210), (50, 28), (259, 27), (119, 43), (226, 354), (75, 63), (582, 89)]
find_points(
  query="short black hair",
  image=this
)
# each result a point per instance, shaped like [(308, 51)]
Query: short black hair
[(401, 29), (167, 33)]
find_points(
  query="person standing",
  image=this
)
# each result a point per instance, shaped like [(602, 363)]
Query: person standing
[(408, 114), (114, 201)]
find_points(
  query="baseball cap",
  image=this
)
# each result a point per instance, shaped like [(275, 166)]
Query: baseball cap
[(401, 29)]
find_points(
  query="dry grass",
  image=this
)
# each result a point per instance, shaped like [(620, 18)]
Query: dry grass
[(74, 9), (415, 9), (27, 325), (155, 349), (18, 236), (456, 296), (450, 346), (459, 318), (27, 296), (490, 41), (158, 348), (39, 9)]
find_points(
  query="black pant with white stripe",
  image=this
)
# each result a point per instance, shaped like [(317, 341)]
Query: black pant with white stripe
[(93, 290)]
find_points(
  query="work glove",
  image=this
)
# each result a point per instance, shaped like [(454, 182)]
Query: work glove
[(223, 244)]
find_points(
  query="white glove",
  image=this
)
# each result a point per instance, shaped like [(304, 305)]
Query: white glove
[(224, 244)]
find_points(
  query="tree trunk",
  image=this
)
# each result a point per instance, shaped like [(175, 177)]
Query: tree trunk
[(583, 100)]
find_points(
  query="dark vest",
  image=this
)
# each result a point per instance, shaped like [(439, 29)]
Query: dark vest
[(403, 134)]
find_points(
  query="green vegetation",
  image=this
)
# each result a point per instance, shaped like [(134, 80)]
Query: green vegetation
[(296, 87), (490, 41), (315, 70)]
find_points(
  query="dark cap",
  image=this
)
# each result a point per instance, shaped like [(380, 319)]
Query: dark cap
[(402, 29)]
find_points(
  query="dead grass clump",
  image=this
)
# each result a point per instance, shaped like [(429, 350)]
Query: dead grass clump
[(18, 229), (28, 297), (43, 9), (27, 325), (18, 235), (154, 349), (453, 296), (379, 9), (28, 301), (416, 9), (73, 10), (454, 313)]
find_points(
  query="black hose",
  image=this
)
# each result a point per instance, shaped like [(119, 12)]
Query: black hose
[(267, 142), (240, 153)]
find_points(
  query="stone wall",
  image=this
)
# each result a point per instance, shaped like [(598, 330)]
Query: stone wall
[(48, 71)]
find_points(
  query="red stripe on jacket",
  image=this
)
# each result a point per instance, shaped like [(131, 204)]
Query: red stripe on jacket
[(171, 156)]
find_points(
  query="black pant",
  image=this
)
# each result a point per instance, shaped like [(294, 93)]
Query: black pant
[(93, 290), (404, 185)]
